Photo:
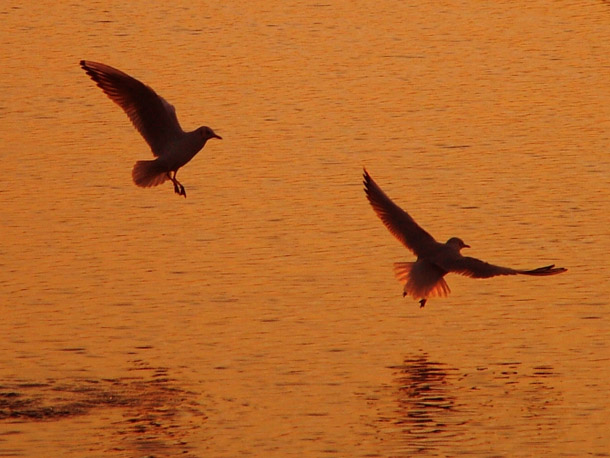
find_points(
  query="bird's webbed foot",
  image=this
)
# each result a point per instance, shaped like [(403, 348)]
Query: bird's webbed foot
[(422, 302), (178, 188)]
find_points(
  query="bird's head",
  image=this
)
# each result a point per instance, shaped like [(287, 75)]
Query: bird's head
[(207, 133), (456, 243)]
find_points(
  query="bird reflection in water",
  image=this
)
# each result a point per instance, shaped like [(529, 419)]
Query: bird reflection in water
[(427, 411)]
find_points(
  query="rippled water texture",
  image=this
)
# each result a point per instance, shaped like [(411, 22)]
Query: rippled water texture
[(260, 316)]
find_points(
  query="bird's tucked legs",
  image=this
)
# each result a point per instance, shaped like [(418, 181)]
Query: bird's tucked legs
[(178, 188), (422, 302)]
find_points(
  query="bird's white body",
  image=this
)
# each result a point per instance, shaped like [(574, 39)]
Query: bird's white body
[(174, 155)]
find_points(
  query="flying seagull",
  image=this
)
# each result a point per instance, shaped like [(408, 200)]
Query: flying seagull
[(424, 278), (156, 120)]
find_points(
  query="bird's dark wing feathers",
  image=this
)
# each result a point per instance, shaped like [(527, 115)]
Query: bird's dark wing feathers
[(475, 268), (543, 271), (151, 115), (398, 221)]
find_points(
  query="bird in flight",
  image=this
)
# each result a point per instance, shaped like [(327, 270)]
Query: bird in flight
[(156, 120), (424, 278)]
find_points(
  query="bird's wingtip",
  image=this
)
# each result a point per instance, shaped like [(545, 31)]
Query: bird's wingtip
[(366, 178), (365, 174), (546, 270), (557, 270)]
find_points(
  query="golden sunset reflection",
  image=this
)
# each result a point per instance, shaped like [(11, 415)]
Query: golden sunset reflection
[(260, 316)]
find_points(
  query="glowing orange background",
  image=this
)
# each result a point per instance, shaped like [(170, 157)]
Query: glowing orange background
[(265, 303)]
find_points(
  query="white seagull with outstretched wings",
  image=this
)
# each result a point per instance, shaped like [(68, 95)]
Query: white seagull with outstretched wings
[(156, 120), (424, 278)]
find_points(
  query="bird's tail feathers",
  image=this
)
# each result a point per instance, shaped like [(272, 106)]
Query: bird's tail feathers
[(149, 173), (417, 284), (542, 271), (401, 270)]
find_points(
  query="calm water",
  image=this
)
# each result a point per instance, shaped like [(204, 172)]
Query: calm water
[(260, 316)]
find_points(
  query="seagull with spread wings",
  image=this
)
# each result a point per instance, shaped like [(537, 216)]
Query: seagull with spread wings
[(156, 120), (424, 278)]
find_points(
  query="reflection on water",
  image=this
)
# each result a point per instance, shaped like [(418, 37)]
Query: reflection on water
[(440, 410), (426, 404), (150, 408)]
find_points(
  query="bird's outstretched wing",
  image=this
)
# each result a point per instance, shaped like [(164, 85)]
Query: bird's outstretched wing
[(150, 113), (475, 268), (543, 271), (397, 220)]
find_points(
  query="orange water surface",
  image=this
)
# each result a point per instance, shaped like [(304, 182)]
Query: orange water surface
[(260, 316)]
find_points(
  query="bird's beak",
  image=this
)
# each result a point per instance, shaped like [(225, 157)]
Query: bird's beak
[(217, 136), (466, 246)]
